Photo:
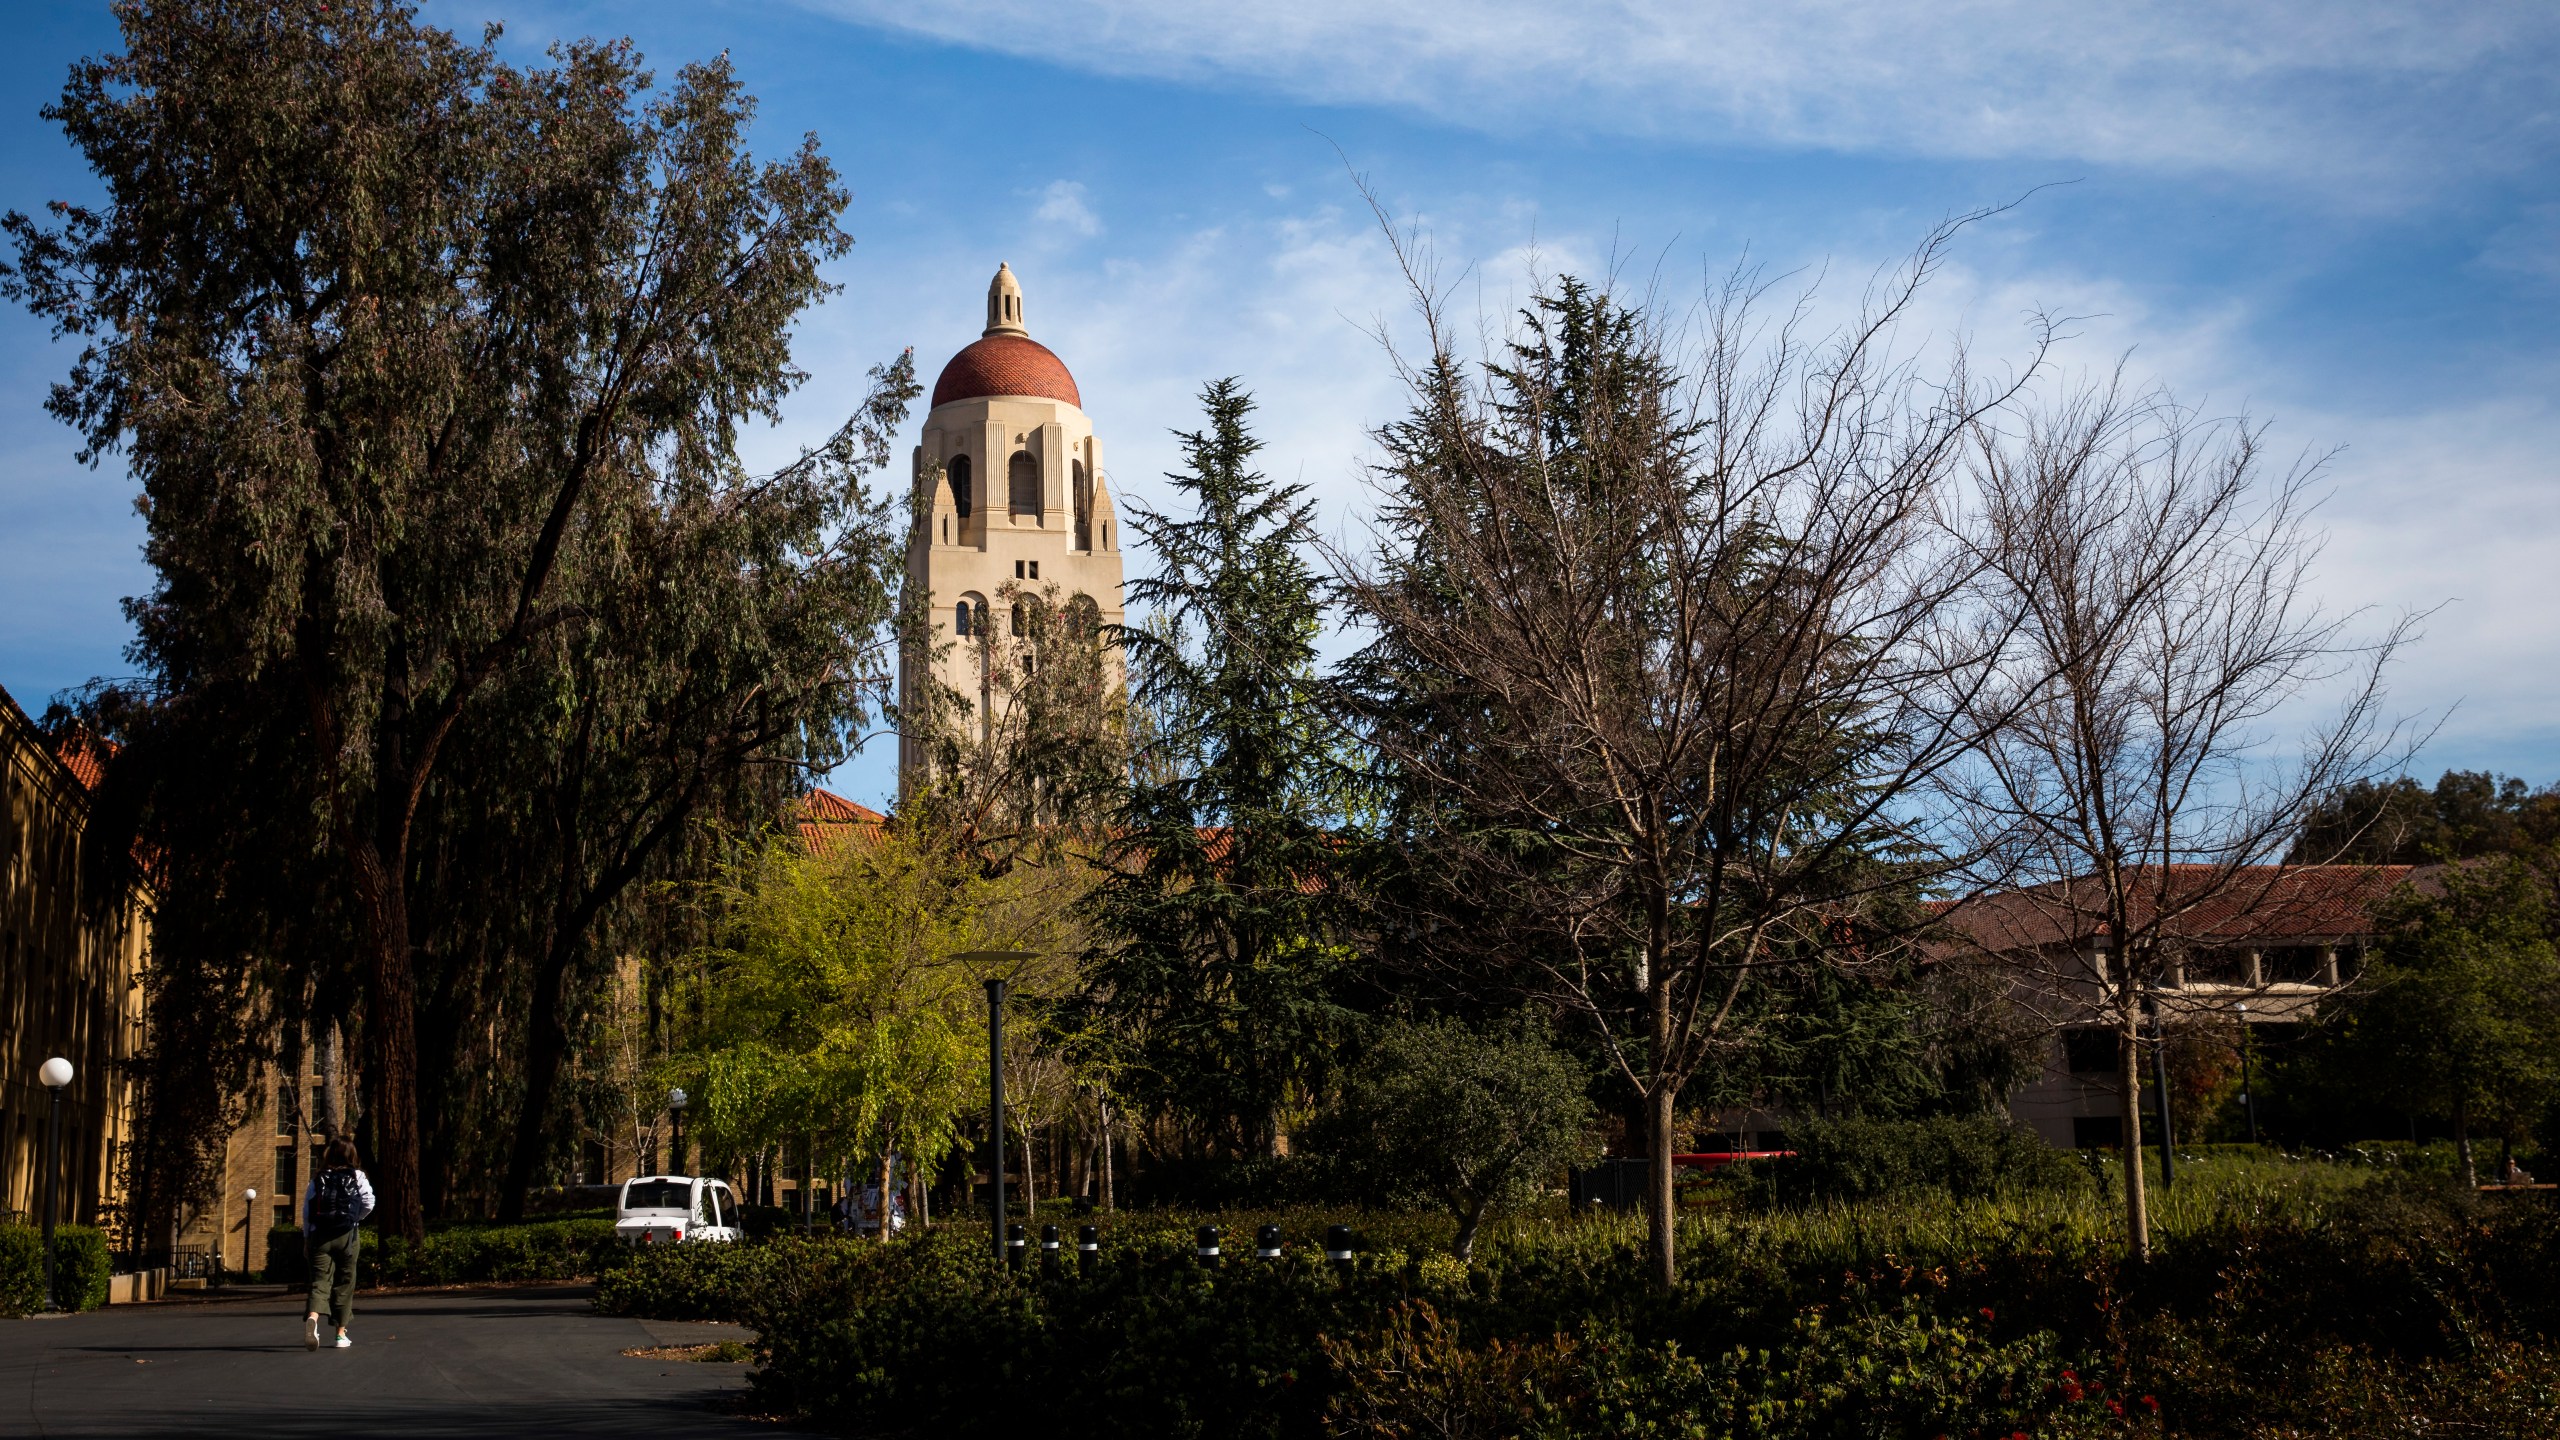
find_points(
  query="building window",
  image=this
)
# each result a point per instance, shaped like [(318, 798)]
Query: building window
[(1017, 569), (1035, 569), (1082, 489), (959, 472), (2097, 1132), (2090, 1050), (1018, 626), (285, 1106), (284, 1172), (946, 529), (960, 619), (1022, 482)]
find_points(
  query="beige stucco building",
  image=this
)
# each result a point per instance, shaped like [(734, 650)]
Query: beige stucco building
[(1015, 507), (71, 978)]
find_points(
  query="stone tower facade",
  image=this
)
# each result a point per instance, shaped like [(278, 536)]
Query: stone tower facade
[(1013, 474)]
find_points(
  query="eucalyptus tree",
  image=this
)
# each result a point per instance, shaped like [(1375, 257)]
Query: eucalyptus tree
[(379, 322)]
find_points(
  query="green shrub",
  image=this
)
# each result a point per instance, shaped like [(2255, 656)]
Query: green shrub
[(470, 1254), (689, 1281), (2260, 1312), (21, 1270), (1847, 1160), (286, 1264), (83, 1268)]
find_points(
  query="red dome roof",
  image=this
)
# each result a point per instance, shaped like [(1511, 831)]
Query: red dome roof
[(1006, 365)]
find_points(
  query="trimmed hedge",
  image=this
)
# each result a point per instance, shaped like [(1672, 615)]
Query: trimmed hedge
[(1849, 1160), (1930, 1317), (82, 1268), (467, 1254)]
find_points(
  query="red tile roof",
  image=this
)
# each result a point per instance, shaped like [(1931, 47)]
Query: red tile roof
[(2261, 904), (828, 820), (1006, 365)]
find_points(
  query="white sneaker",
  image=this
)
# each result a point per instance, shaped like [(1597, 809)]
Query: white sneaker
[(311, 1333), (343, 1341)]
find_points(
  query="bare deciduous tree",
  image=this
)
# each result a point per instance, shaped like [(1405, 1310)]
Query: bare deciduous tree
[(2141, 765), (1664, 643)]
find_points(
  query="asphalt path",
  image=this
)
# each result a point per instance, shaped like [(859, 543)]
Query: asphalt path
[(501, 1361)]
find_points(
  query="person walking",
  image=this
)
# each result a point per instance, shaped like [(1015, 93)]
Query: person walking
[(333, 1204)]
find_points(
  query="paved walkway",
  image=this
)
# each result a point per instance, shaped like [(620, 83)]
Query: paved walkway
[(501, 1361)]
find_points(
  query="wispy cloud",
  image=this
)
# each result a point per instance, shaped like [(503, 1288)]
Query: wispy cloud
[(1062, 204), (2328, 91)]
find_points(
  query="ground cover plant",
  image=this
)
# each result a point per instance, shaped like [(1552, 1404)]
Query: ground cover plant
[(2283, 1298)]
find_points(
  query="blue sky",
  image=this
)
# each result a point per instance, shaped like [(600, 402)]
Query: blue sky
[(2341, 217)]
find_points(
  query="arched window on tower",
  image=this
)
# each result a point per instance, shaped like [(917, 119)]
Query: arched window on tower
[(959, 472), (1083, 489), (1022, 482), (960, 620), (1018, 626)]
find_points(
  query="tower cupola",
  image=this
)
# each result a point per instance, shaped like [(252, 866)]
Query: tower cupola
[(1004, 303)]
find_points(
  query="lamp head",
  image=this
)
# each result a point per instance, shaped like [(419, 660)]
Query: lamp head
[(251, 1193), (56, 1073), (675, 1100)]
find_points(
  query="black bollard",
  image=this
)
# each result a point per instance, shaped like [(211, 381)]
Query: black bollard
[(1209, 1246), (1266, 1243), (1337, 1248), (1013, 1247), (1088, 1249), (1048, 1249)]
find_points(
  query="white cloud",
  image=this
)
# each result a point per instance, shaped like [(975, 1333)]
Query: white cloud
[(2333, 91), (1063, 204)]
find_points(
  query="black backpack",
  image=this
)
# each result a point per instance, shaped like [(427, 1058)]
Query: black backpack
[(333, 1201)]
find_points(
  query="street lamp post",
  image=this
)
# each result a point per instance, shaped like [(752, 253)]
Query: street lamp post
[(55, 1073), (986, 960), (248, 1224), (675, 1123)]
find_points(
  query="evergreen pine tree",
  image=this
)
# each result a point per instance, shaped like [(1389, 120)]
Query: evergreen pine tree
[(1213, 967)]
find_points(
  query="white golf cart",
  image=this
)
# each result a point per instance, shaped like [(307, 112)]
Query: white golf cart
[(658, 1208)]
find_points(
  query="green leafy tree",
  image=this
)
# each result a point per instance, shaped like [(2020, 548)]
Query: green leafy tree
[(1474, 1121), (1214, 962), (2460, 1007), (836, 1012), (381, 323)]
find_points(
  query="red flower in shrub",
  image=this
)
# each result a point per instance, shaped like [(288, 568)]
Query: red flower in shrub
[(2116, 1406), (1987, 1315), (2070, 1374), (2150, 1404), (2072, 1392)]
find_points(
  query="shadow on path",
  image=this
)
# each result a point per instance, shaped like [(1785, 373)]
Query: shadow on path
[(525, 1362)]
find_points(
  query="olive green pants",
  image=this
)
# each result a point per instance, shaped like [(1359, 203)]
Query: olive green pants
[(333, 1276)]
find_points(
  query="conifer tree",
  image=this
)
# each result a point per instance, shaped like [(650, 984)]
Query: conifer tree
[(1215, 963)]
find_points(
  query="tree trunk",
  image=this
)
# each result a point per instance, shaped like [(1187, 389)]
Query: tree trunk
[(1659, 1199), (546, 1047), (391, 1034), (2137, 1199), (332, 1104), (1106, 1154), (2462, 1141), (1470, 1220), (885, 1197)]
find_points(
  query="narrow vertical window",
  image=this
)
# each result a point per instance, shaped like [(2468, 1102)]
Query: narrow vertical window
[(960, 620), (1017, 618), (1081, 486), (1022, 480), (959, 471)]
